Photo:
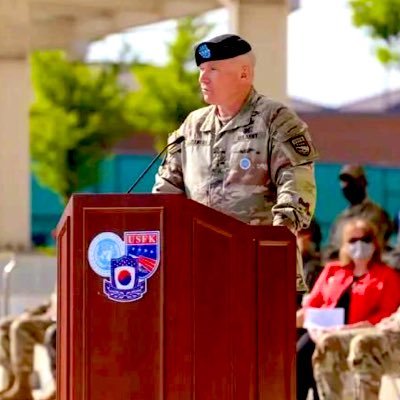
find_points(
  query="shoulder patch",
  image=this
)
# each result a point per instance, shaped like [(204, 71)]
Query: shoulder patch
[(300, 145)]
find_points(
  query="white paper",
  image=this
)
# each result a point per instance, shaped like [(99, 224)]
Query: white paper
[(319, 318)]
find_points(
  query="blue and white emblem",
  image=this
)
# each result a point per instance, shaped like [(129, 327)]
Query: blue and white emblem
[(204, 51), (102, 249), (245, 163), (136, 260)]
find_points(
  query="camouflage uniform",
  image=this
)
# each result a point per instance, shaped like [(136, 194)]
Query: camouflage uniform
[(366, 209), (258, 167), (18, 336), (393, 257), (368, 353)]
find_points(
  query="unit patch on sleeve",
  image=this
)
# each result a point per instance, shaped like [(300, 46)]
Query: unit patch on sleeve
[(300, 145)]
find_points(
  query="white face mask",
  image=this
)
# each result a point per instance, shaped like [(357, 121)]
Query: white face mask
[(360, 250)]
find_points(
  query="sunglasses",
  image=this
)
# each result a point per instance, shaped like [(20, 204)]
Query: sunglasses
[(365, 239)]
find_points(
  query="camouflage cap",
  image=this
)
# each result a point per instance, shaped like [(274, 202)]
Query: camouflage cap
[(352, 171), (221, 47)]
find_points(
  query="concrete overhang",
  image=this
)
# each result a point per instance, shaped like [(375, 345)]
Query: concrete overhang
[(44, 24)]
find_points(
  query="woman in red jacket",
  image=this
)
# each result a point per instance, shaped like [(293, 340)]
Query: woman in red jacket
[(359, 282)]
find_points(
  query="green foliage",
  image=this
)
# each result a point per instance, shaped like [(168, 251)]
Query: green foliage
[(81, 111), (387, 56), (382, 19), (76, 119), (168, 93)]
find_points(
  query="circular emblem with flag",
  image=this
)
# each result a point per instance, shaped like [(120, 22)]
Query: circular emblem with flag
[(124, 278), (124, 272), (127, 265)]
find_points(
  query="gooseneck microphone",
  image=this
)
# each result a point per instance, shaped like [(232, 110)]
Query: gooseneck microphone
[(178, 140)]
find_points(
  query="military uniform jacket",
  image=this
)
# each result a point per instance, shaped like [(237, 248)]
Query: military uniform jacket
[(258, 167), (394, 321)]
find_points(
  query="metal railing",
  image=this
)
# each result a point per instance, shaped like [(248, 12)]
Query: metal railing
[(6, 274)]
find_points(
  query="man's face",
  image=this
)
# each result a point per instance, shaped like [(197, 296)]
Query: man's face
[(220, 81), (353, 189)]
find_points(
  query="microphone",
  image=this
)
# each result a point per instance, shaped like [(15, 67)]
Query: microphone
[(178, 140)]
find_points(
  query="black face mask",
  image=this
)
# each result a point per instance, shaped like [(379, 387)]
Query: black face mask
[(354, 193)]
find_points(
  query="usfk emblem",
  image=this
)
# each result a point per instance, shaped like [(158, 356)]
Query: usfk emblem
[(126, 264)]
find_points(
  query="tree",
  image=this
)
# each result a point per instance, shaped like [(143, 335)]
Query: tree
[(76, 119), (81, 111), (382, 19), (168, 93)]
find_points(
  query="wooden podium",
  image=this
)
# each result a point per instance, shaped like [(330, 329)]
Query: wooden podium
[(217, 321)]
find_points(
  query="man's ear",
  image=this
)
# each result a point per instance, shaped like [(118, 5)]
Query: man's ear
[(245, 72)]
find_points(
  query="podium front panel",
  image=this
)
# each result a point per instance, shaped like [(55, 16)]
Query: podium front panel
[(216, 321)]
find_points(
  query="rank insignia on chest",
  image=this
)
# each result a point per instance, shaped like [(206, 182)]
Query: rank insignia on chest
[(300, 145)]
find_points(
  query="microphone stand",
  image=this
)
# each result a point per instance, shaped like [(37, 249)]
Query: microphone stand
[(179, 140)]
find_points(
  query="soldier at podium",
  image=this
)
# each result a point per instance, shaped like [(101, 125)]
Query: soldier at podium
[(245, 154)]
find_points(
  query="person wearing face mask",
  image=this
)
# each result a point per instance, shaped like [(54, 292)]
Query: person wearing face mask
[(359, 282), (353, 183)]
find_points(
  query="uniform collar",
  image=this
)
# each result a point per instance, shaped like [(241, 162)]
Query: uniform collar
[(242, 118)]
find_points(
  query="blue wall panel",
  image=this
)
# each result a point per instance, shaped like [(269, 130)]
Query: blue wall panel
[(383, 188), (119, 172)]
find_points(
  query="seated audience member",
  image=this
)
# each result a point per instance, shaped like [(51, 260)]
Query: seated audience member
[(50, 339), (353, 183), (368, 353), (393, 257), (18, 336), (51, 345), (308, 241), (359, 282)]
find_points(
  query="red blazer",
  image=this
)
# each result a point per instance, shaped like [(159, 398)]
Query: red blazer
[(374, 296)]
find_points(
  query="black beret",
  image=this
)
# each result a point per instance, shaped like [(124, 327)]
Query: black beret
[(220, 48)]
